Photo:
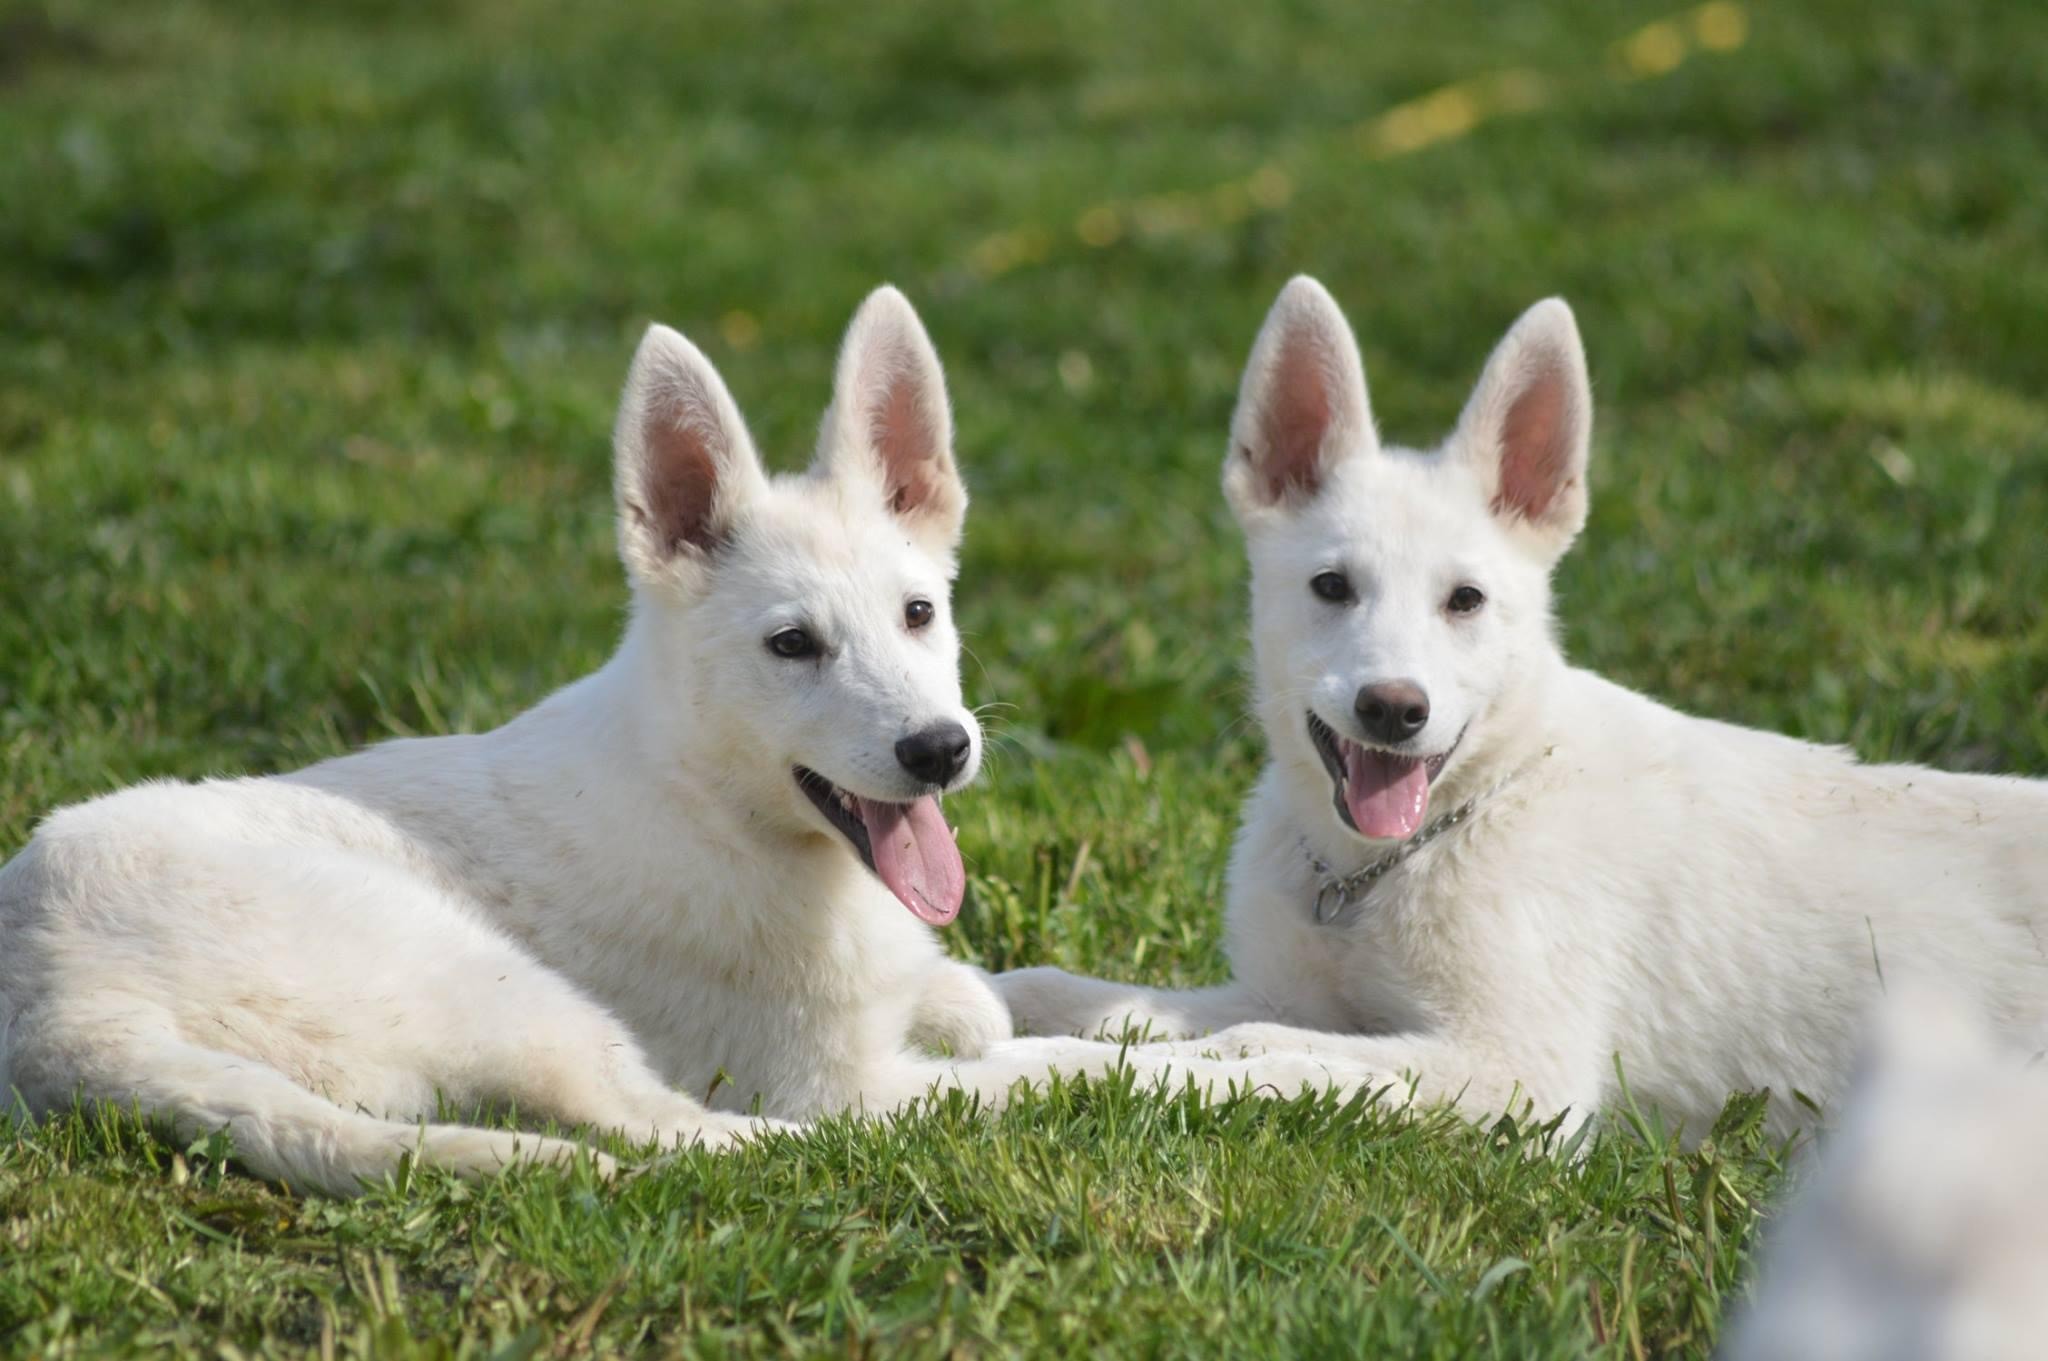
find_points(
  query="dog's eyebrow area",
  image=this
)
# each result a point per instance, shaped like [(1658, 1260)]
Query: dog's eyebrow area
[(1463, 574)]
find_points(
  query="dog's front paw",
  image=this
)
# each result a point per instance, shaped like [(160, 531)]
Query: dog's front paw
[(960, 1014)]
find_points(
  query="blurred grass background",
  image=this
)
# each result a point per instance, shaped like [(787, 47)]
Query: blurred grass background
[(314, 317)]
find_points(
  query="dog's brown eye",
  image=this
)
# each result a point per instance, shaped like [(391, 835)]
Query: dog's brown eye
[(792, 643), (1334, 587), (1466, 599), (918, 613)]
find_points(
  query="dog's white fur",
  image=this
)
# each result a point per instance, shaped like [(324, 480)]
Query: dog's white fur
[(1921, 1234), (1706, 902), (620, 897)]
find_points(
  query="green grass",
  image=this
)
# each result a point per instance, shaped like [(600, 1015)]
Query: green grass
[(314, 318)]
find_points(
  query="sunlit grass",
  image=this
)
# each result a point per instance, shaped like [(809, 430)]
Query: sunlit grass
[(315, 317)]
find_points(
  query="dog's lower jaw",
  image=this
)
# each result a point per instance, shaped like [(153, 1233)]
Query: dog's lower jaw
[(1346, 762), (906, 845), (840, 809)]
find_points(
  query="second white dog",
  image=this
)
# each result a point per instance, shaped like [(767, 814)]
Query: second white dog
[(1471, 865)]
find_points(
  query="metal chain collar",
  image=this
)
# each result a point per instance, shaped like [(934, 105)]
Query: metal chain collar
[(1340, 893)]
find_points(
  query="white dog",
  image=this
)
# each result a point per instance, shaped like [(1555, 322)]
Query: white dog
[(1922, 1232), (1493, 875), (712, 866)]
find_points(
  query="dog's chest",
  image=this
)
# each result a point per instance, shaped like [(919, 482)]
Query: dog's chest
[(1390, 977), (1349, 974), (1388, 955)]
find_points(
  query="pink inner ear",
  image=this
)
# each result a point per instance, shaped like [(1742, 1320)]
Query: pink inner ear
[(1296, 419), (681, 477), (1535, 453), (903, 441)]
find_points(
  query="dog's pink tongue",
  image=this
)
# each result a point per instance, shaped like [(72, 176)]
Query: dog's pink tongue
[(1387, 795), (915, 855)]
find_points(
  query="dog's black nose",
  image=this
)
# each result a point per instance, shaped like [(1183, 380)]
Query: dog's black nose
[(1392, 711), (935, 754)]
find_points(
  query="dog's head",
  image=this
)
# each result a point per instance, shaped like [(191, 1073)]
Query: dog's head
[(1397, 595), (804, 621)]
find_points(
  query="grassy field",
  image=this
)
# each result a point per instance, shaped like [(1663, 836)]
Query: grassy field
[(314, 317)]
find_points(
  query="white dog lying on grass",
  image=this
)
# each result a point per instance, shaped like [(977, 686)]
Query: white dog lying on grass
[(712, 866), (1472, 866)]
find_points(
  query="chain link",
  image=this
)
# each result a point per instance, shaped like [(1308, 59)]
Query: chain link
[(1338, 894)]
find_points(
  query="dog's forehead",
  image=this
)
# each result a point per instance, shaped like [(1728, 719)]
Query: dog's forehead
[(1396, 505), (808, 530)]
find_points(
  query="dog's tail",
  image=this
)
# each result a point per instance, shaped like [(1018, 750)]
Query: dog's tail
[(285, 1133)]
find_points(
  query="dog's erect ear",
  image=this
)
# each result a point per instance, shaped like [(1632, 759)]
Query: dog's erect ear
[(683, 465), (1302, 406), (1528, 426), (889, 427)]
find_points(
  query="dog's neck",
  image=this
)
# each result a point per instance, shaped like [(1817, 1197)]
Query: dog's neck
[(1514, 728)]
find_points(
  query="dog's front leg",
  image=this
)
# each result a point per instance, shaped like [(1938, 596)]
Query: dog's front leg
[(1481, 1080), (959, 1012), (1048, 1001), (1034, 1061)]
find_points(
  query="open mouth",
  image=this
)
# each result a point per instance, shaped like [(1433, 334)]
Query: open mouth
[(908, 846), (1378, 793)]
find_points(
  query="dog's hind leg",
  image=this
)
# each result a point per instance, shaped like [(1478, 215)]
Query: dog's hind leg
[(610, 1086), (461, 1011), (1048, 1001), (534, 1041), (280, 1130)]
